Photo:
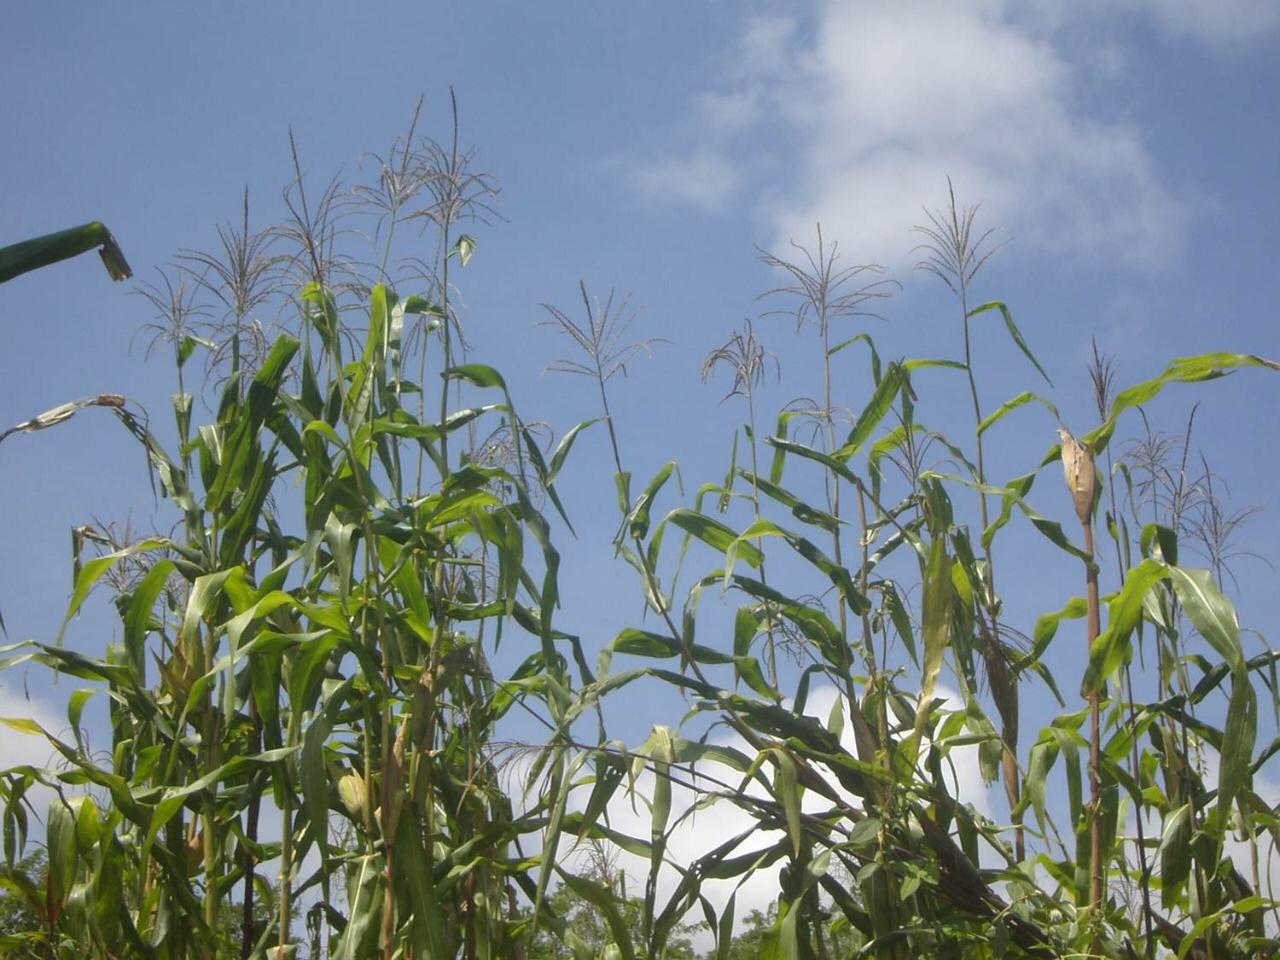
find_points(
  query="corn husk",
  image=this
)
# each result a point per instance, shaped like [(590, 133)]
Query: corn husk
[(354, 795), (1082, 479)]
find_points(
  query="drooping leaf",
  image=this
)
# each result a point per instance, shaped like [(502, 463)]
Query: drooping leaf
[(1021, 400), (1208, 366), (715, 534), (1014, 333)]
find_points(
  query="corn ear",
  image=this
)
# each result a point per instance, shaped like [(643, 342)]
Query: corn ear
[(1082, 479)]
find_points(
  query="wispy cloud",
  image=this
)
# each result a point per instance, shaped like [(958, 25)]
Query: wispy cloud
[(854, 114), (702, 178)]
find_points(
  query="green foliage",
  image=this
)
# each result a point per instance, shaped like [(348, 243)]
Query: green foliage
[(23, 925), (313, 647), (587, 933)]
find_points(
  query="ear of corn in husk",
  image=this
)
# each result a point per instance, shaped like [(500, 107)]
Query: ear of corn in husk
[(354, 795), (1082, 480)]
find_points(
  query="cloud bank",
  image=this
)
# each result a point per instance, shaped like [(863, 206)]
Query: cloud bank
[(853, 113)]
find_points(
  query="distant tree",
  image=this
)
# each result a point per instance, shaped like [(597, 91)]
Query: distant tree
[(586, 930), (750, 942), (758, 930), (22, 930)]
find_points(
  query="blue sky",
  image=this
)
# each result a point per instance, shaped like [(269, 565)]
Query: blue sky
[(1128, 151)]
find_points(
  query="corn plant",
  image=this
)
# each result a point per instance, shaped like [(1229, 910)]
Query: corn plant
[(867, 792), (308, 733), (302, 707)]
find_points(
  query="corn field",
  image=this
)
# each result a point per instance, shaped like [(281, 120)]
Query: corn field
[(346, 719)]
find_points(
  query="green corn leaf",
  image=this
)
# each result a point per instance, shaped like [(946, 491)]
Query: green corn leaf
[(478, 374), (1209, 366), (871, 346), (93, 570), (425, 914), (138, 618), (809, 453), (610, 771), (637, 519), (204, 597), (1215, 619), (1198, 930), (241, 446), (606, 901), (838, 575), (75, 708), (107, 912), (724, 930), (1021, 400), (187, 346), (1046, 629), (936, 628), (899, 616), (379, 319), (1211, 612), (874, 413), (799, 509), (715, 534), (1013, 332), (60, 849), (174, 798), (358, 940), (779, 456), (19, 258), (746, 624), (561, 452), (23, 725), (1012, 495), (1238, 738), (1111, 650), (1043, 755), (312, 772), (644, 643), (786, 788), (404, 425), (926, 363)]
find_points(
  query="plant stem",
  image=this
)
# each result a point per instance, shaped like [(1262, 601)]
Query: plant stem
[(755, 500), (251, 836), (286, 857), (1095, 735), (1007, 699)]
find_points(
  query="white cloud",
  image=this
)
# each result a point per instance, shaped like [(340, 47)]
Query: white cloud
[(24, 749), (705, 179), (854, 115), (699, 830)]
